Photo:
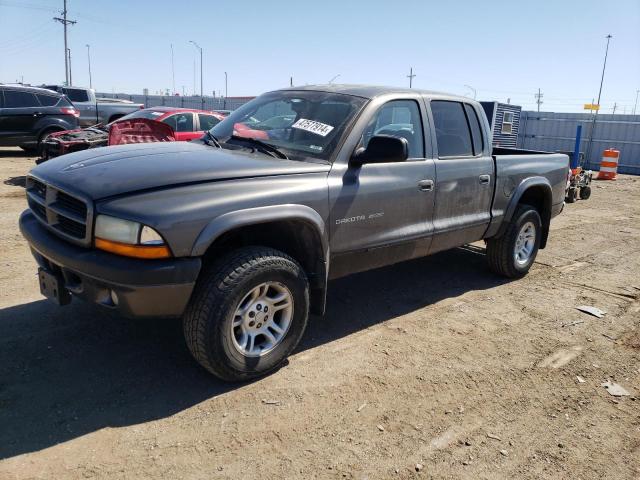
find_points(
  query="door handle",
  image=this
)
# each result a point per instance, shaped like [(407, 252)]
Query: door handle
[(38, 114), (484, 179), (425, 185)]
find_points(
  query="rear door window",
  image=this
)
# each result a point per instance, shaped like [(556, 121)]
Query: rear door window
[(47, 100), (476, 131), (76, 94), (18, 99), (452, 130), (180, 122)]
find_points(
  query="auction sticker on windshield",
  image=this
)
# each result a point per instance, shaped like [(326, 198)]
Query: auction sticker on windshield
[(312, 126)]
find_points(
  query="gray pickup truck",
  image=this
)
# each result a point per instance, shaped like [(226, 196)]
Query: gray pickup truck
[(239, 232), (94, 110)]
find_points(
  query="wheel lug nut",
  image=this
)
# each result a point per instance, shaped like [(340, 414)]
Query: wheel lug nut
[(252, 323), (252, 314), (258, 307), (259, 325), (266, 309)]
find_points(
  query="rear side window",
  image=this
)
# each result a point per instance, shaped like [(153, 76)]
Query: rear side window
[(17, 99), (180, 122), (47, 100), (207, 122), (76, 94), (452, 131), (476, 131)]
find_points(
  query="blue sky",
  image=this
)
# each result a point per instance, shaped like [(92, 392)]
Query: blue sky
[(503, 49)]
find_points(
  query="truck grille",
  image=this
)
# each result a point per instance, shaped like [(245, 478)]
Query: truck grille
[(63, 213)]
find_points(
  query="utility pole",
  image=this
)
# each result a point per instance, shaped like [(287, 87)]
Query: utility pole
[(291, 85), (635, 105), (410, 77), (226, 90), (593, 123), (173, 74), (89, 60), (199, 48), (65, 22), (615, 105), (70, 77), (539, 96)]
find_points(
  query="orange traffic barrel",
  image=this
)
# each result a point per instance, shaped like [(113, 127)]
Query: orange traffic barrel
[(609, 164)]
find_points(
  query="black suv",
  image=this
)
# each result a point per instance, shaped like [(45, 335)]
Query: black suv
[(29, 114)]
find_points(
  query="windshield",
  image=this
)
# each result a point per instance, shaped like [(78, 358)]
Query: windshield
[(300, 123)]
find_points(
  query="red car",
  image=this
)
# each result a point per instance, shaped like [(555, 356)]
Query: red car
[(185, 124)]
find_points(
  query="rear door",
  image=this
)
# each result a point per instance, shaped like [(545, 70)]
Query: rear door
[(183, 125), (20, 111), (464, 175)]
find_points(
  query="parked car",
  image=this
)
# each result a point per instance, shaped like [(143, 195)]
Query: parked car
[(240, 236), (95, 110), (187, 124), (29, 114)]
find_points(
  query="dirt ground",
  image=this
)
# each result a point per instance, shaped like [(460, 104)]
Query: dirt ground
[(434, 362)]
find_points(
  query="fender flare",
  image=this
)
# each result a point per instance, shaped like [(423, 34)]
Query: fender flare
[(545, 215), (251, 216)]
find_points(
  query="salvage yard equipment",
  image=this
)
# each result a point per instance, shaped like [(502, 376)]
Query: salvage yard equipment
[(609, 164)]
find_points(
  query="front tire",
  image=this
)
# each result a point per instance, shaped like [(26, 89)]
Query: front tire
[(512, 254), (248, 312)]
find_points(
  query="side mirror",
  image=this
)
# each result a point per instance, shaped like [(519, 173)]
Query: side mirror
[(382, 149)]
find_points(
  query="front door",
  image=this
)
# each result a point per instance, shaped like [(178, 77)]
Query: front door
[(465, 175), (380, 213)]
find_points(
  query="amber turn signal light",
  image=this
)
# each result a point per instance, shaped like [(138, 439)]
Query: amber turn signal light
[(136, 251)]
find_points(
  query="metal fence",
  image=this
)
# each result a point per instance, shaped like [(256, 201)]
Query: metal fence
[(203, 103), (557, 132)]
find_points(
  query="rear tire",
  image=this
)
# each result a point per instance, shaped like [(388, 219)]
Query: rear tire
[(235, 326), (512, 254), (585, 193), (572, 195)]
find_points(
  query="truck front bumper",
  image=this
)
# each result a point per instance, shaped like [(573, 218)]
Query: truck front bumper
[(136, 288)]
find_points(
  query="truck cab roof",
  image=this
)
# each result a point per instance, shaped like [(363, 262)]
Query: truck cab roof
[(372, 91)]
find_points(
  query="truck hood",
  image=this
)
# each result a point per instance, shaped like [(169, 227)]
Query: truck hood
[(105, 172)]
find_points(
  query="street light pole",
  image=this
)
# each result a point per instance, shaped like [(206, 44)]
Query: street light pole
[(635, 105), (226, 91), (331, 81), (473, 90), (593, 123), (199, 48), (89, 60), (70, 77)]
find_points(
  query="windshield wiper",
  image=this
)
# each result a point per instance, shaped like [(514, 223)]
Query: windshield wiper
[(211, 140), (262, 146)]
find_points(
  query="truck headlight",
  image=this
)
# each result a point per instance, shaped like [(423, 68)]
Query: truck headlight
[(131, 239)]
